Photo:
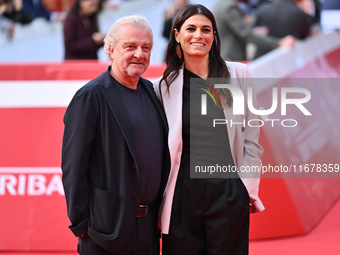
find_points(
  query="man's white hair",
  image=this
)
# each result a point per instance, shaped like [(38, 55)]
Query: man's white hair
[(111, 36)]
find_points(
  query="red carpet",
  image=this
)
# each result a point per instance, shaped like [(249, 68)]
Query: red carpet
[(323, 239)]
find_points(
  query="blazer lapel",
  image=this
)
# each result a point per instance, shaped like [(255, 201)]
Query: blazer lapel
[(173, 101)]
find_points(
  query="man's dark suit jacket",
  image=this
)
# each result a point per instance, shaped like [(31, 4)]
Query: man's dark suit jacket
[(100, 174), (283, 18)]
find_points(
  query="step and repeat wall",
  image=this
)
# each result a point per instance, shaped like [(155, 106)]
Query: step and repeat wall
[(300, 163)]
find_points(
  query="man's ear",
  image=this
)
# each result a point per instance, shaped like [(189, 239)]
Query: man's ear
[(111, 50)]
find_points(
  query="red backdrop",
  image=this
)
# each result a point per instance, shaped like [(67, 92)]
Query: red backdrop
[(33, 99)]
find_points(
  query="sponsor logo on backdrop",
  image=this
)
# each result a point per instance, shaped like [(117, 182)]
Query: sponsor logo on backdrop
[(28, 181)]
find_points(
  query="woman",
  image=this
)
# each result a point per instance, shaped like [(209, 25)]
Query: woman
[(82, 38), (205, 215), (170, 14)]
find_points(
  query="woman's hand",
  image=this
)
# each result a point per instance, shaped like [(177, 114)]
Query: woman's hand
[(98, 38)]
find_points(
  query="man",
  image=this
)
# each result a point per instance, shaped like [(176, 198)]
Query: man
[(236, 33), (283, 18), (115, 159)]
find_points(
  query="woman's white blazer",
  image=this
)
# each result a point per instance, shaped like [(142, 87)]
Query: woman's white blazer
[(245, 148)]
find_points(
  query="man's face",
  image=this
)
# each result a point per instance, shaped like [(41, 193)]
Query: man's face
[(131, 54)]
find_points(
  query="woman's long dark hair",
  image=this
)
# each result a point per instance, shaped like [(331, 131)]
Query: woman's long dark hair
[(217, 66)]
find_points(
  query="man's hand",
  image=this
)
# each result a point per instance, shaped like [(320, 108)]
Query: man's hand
[(287, 41)]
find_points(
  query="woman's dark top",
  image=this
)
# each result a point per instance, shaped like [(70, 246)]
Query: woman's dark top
[(78, 42), (203, 141)]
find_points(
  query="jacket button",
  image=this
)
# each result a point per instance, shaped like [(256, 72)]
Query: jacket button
[(133, 195), (243, 129), (134, 168)]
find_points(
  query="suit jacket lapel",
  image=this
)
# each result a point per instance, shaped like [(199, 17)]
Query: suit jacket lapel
[(115, 103), (155, 101)]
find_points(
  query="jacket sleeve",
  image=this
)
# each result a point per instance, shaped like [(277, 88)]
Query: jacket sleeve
[(234, 19), (80, 128), (252, 150)]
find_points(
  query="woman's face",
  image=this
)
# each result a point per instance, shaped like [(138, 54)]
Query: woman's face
[(196, 36), (88, 7)]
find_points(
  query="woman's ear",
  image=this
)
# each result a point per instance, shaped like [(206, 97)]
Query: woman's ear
[(176, 35)]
